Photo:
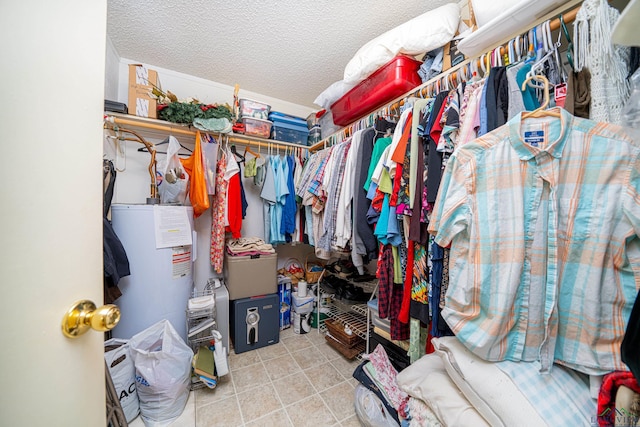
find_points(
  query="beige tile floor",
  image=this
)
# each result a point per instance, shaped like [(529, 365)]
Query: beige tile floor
[(301, 381)]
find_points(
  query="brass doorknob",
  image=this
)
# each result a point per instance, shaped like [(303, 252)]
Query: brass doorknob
[(84, 315)]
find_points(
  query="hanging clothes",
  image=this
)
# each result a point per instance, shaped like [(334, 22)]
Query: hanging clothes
[(116, 262), (233, 205), (344, 216), (217, 216), (419, 305), (607, 63), (288, 224), (421, 108), (578, 99), (516, 104), (390, 294), (364, 245), (553, 273), (332, 181), (434, 156), (278, 166), (497, 101), (298, 236), (268, 195)]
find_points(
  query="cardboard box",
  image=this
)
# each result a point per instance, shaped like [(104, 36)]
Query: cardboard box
[(452, 56), (248, 277), (141, 82)]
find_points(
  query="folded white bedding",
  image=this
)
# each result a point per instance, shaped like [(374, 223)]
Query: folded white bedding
[(515, 393), (427, 380)]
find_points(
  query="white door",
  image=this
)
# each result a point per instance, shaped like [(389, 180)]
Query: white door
[(52, 63)]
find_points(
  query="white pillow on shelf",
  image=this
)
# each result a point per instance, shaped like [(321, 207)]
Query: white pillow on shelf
[(485, 10), (333, 93), (419, 35)]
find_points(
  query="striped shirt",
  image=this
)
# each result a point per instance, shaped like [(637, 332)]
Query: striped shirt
[(543, 218)]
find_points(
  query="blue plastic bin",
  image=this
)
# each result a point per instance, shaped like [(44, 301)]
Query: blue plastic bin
[(275, 116), (289, 133)]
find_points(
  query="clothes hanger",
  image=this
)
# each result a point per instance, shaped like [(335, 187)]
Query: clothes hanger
[(565, 31), (239, 157), (496, 58), (549, 64), (518, 47), (531, 52), (564, 77), (541, 111), (248, 149), (483, 65), (164, 142), (537, 40)]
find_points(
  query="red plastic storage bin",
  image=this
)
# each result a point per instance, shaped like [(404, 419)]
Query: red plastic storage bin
[(396, 77)]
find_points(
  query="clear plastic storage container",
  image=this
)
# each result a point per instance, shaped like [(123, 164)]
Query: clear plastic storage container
[(257, 127), (315, 135), (289, 133), (254, 109), (289, 128)]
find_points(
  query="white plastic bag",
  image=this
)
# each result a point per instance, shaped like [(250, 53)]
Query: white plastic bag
[(210, 159), (163, 373), (370, 411), (174, 180), (123, 375)]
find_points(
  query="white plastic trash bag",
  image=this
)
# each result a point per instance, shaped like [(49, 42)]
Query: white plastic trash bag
[(123, 375), (163, 373), (370, 410), (174, 180)]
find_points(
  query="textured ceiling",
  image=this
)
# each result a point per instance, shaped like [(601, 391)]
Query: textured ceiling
[(291, 50)]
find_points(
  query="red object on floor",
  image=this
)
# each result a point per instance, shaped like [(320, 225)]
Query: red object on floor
[(396, 77)]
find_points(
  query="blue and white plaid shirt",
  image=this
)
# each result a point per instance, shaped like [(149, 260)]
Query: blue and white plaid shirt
[(543, 219)]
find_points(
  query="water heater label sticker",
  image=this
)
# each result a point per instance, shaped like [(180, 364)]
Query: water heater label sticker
[(181, 262), (172, 226)]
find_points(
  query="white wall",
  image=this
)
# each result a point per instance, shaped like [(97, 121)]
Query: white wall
[(132, 182), (206, 91), (112, 70)]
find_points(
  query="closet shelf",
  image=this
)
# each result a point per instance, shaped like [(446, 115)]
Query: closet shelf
[(356, 321), (159, 129), (569, 9), (355, 315)]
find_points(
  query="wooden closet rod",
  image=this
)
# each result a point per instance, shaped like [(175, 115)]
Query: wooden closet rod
[(151, 124), (148, 125)]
